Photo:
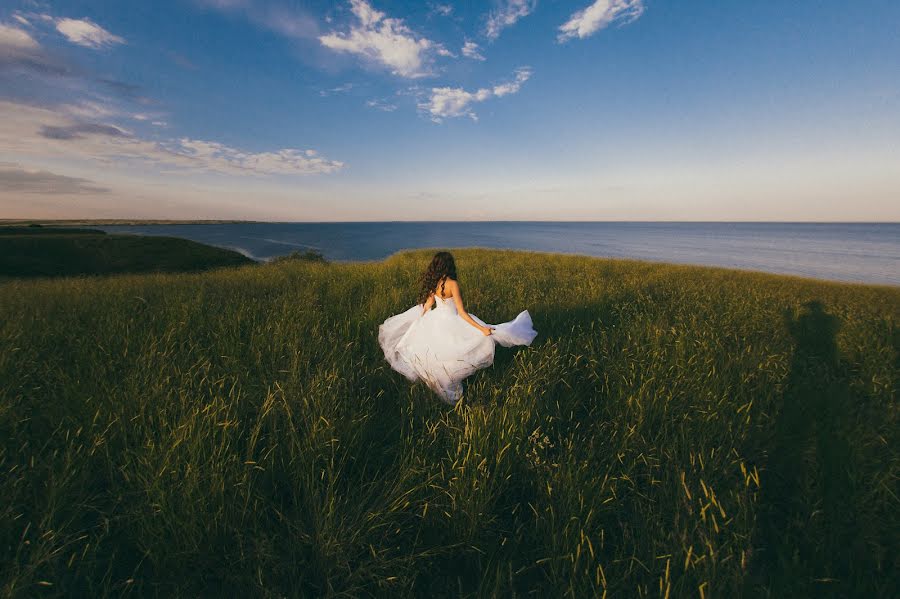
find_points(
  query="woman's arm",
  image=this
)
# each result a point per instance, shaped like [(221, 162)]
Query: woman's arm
[(428, 303), (457, 299)]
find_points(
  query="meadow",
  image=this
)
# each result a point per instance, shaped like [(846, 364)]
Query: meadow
[(673, 431)]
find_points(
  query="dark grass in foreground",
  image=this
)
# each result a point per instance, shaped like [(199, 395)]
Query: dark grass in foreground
[(53, 252), (673, 431)]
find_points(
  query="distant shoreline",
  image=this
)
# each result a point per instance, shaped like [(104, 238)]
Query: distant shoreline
[(104, 222), (109, 222), (848, 252)]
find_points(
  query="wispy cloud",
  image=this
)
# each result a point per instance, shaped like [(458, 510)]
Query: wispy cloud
[(523, 74), (80, 131), (599, 15), (443, 10), (470, 50), (292, 22), (20, 51), (46, 133), (83, 111), (340, 89), (506, 15), (85, 32), (13, 38), (87, 110), (383, 105), (217, 157), (383, 40), (182, 61), (452, 102), (57, 83), (18, 179)]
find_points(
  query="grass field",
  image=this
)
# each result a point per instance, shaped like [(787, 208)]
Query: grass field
[(55, 251), (672, 432)]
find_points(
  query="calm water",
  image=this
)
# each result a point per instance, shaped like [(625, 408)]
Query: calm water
[(868, 253)]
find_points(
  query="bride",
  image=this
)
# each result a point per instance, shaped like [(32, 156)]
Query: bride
[(445, 345)]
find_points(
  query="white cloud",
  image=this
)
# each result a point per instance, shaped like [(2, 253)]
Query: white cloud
[(504, 89), (85, 32), (218, 157), (444, 10), (599, 15), (452, 102), (383, 40), (41, 132), (506, 15), (14, 40), (448, 102), (382, 105), (470, 50)]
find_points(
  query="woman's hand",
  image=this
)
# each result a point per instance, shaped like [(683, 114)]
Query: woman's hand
[(486, 331)]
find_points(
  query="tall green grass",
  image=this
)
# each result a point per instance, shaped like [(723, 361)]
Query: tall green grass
[(672, 432)]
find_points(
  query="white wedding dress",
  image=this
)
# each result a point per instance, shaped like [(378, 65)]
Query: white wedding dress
[(442, 349)]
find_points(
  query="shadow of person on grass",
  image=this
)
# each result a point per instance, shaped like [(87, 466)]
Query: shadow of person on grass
[(808, 523)]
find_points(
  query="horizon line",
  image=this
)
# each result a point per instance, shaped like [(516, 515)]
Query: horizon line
[(163, 221)]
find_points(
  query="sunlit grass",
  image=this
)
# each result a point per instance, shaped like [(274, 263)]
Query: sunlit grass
[(238, 433)]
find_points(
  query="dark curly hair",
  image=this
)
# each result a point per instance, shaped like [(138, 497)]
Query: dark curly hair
[(442, 267)]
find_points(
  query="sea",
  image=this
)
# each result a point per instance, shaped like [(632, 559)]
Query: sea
[(851, 252)]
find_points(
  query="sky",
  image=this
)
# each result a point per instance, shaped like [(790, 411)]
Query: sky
[(378, 110)]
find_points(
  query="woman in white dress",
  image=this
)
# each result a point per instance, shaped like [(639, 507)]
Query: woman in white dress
[(445, 345)]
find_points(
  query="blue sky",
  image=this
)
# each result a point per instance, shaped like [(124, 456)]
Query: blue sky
[(504, 109)]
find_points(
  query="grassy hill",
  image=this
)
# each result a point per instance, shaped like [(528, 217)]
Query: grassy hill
[(51, 252), (672, 432)]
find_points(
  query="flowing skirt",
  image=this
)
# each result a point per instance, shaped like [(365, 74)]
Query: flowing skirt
[(441, 349)]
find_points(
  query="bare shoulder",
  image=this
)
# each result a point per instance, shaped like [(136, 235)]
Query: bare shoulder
[(453, 286)]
